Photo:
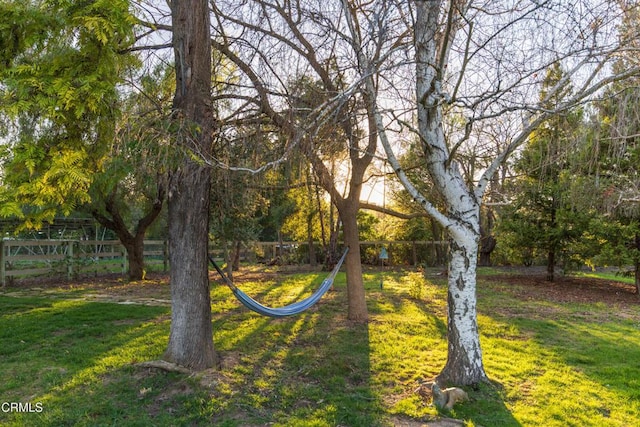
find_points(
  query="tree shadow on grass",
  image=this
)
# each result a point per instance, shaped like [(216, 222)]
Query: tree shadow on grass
[(601, 360), (565, 371), (486, 407), (56, 351), (301, 370), (420, 324)]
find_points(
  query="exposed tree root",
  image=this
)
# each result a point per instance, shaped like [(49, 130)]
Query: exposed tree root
[(165, 366)]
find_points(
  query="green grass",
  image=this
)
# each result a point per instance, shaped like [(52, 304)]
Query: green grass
[(608, 275), (550, 364), (561, 364)]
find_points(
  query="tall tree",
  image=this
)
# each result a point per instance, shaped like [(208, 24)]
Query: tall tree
[(278, 33), (481, 60), (544, 173), (615, 160), (624, 132), (343, 139), (128, 194), (609, 174), (234, 219), (191, 335), (62, 66)]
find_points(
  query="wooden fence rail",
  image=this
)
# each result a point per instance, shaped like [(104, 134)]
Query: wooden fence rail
[(70, 258)]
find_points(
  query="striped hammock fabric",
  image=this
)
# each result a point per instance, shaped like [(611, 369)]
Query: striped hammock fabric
[(287, 310)]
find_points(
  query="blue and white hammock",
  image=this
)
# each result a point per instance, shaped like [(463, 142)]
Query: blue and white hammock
[(287, 310)]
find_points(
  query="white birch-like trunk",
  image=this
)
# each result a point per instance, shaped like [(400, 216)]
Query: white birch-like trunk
[(435, 26), (462, 218), (464, 357)]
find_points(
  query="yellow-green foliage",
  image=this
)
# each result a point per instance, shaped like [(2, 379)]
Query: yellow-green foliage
[(59, 73), (415, 283)]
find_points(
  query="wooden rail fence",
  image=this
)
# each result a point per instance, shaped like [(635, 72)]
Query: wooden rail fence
[(70, 258)]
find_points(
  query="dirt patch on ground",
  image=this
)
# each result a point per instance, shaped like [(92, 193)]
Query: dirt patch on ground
[(115, 284), (153, 290), (617, 300), (571, 289)]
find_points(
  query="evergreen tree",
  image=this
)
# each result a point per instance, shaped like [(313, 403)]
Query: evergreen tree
[(543, 219), (616, 159)]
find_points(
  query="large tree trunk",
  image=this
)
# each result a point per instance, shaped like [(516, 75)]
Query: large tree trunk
[(191, 337), (462, 220), (133, 242), (486, 248), (357, 306), (135, 257), (464, 359)]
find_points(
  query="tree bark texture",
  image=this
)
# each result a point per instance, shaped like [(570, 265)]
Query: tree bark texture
[(135, 258), (462, 220), (464, 358), (191, 336), (348, 207), (357, 305)]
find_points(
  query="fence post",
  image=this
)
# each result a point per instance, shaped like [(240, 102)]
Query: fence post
[(414, 252), (2, 270), (123, 252), (69, 259), (76, 258), (165, 255)]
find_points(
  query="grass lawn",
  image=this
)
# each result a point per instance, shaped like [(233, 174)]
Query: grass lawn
[(73, 361)]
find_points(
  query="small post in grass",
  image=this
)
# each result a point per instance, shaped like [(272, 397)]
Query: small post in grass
[(2, 270), (384, 256), (69, 244)]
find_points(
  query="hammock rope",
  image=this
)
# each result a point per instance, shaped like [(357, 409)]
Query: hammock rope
[(287, 310)]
